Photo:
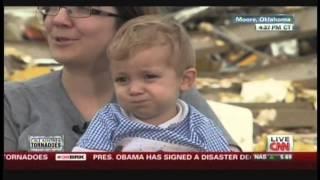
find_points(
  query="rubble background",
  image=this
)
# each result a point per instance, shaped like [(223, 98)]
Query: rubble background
[(274, 74)]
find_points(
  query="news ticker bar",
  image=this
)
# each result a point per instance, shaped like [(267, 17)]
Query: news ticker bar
[(179, 161)]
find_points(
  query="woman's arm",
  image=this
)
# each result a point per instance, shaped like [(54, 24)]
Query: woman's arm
[(194, 98), (10, 131)]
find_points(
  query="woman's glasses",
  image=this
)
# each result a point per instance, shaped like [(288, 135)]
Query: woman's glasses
[(74, 11)]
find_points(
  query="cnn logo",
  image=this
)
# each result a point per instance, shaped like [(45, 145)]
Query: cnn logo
[(280, 143)]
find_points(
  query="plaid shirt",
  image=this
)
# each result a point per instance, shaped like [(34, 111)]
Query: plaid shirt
[(110, 125)]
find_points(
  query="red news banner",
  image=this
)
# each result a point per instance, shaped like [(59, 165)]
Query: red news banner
[(156, 161)]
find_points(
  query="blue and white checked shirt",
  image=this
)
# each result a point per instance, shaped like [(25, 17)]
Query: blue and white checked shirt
[(111, 125)]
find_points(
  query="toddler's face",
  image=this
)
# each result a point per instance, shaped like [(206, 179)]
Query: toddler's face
[(146, 85)]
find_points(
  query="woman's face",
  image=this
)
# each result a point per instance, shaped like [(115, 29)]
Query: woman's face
[(80, 41)]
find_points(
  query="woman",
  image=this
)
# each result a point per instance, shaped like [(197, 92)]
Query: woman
[(51, 112)]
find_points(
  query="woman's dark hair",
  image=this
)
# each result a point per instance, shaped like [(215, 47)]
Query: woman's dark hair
[(130, 12)]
